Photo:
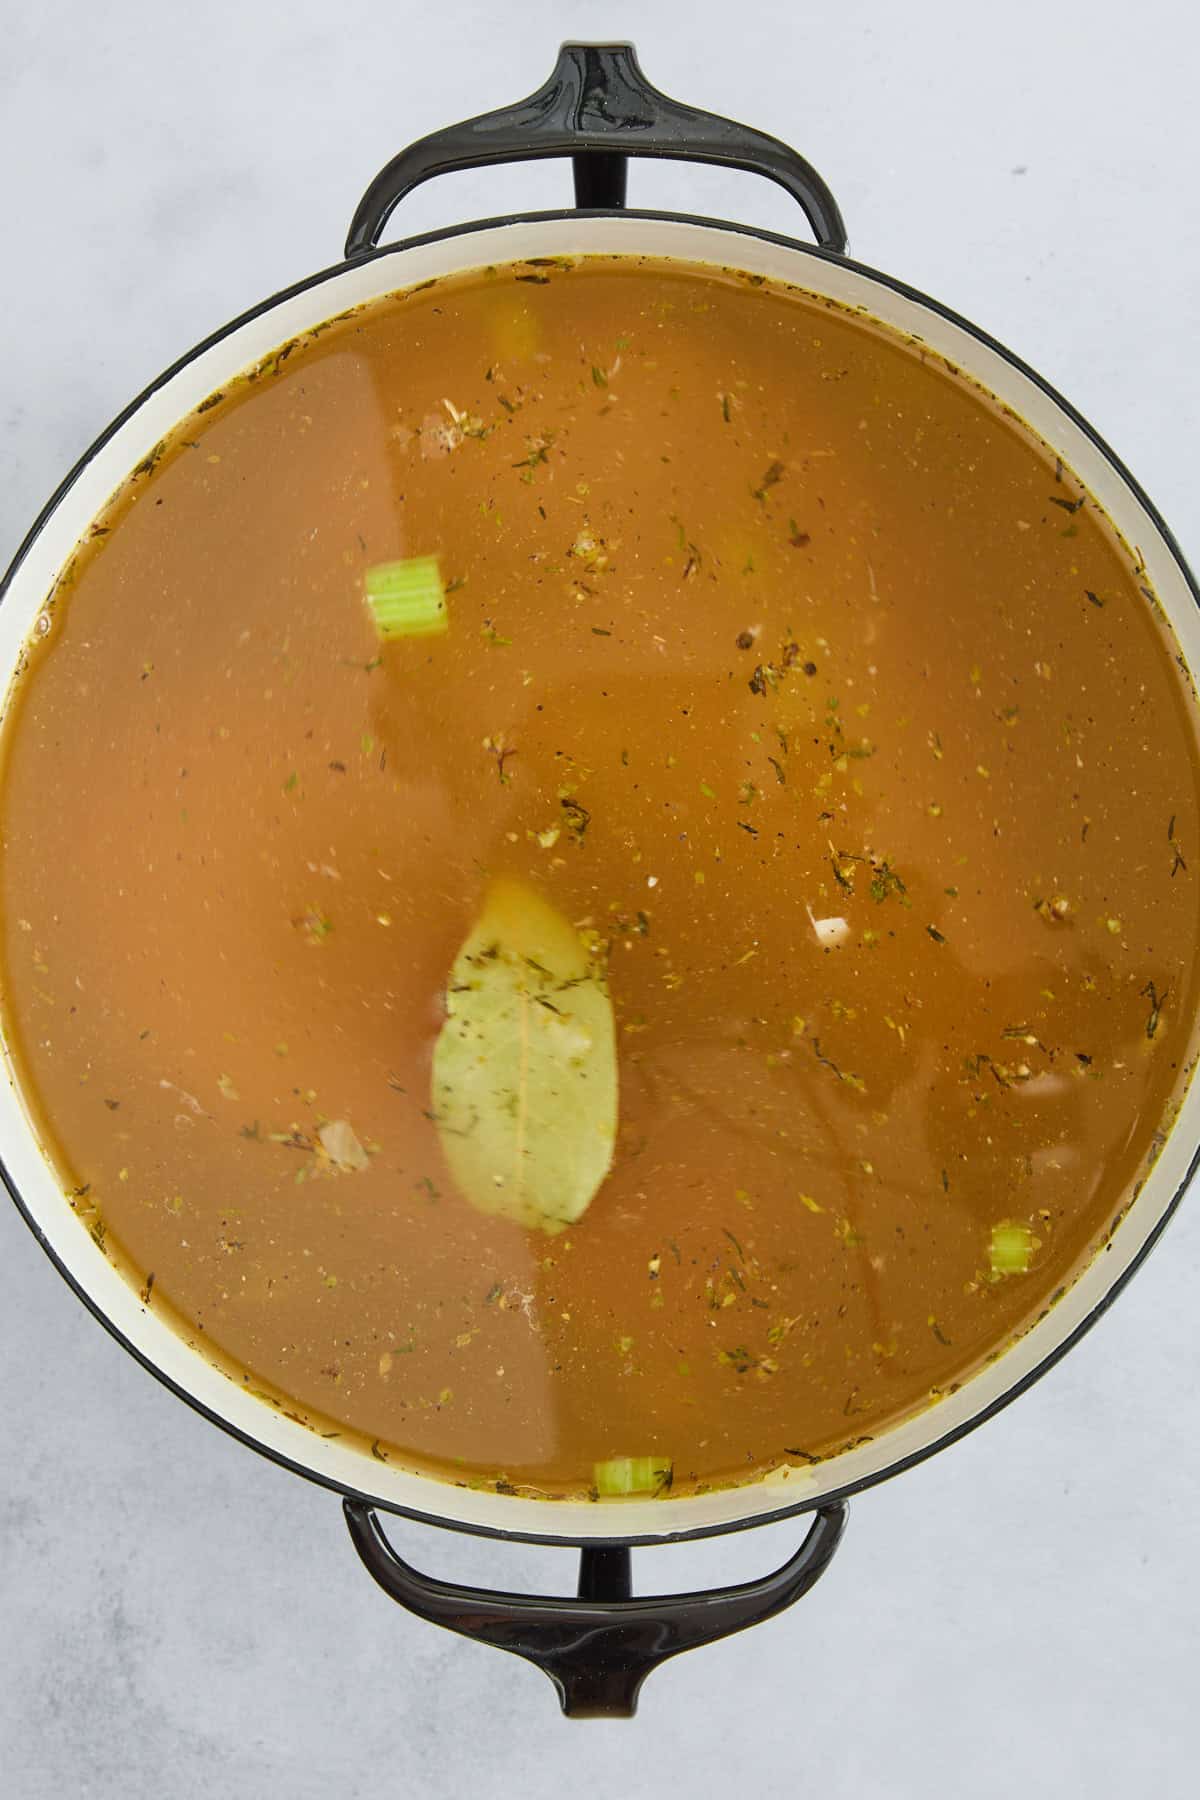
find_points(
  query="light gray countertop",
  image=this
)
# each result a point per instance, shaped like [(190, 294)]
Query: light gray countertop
[(1020, 1616)]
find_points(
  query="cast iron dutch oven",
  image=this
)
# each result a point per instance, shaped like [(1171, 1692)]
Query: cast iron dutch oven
[(598, 109)]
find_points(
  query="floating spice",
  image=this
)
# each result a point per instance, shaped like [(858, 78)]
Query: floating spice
[(772, 476)]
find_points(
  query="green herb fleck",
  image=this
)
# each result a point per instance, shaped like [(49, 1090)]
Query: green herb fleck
[(886, 881), (851, 1080), (316, 926), (577, 818)]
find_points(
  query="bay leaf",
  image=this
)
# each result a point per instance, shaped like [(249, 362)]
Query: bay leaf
[(525, 1066)]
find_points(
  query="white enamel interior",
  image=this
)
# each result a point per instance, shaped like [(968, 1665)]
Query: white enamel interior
[(335, 1463)]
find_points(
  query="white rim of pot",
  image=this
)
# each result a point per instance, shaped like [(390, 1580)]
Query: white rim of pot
[(30, 1176)]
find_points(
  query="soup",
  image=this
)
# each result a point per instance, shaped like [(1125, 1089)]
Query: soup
[(685, 1005)]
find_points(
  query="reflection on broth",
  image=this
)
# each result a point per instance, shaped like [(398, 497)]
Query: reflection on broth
[(810, 712)]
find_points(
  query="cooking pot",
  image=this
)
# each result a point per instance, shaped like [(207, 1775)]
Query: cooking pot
[(598, 109)]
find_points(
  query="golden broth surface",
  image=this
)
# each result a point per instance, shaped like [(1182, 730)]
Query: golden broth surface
[(780, 659)]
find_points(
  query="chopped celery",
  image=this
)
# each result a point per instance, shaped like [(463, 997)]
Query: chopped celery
[(632, 1475), (406, 598), (1011, 1248)]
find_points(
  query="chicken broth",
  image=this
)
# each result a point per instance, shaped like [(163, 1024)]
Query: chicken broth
[(684, 1015)]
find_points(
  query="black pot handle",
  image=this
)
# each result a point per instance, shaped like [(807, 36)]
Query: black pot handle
[(598, 109), (599, 1648)]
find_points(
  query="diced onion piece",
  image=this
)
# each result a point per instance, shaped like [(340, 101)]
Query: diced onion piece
[(340, 1143), (1011, 1248), (406, 598), (829, 932), (631, 1475)]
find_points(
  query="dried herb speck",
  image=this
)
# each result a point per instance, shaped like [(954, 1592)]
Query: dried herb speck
[(772, 476), (577, 818), (1157, 1002)]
